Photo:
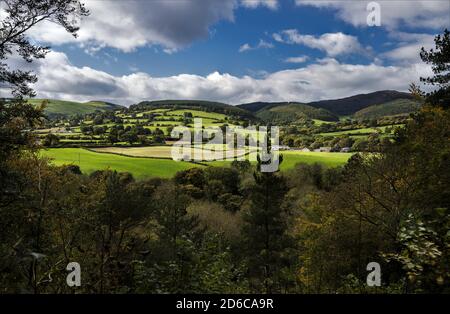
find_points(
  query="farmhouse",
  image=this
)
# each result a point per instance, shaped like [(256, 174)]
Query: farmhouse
[(345, 149)]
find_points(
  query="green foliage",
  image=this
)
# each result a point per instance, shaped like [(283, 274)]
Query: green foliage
[(51, 140), (266, 241), (424, 251), (439, 58), (383, 206)]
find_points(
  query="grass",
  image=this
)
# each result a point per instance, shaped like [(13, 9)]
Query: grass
[(71, 107), (197, 114), (140, 167), (359, 131), (320, 122), (291, 158)]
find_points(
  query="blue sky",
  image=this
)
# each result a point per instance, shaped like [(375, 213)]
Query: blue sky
[(237, 50), (219, 51)]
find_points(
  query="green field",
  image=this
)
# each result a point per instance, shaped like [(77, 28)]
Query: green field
[(153, 167), (320, 122), (291, 158), (360, 131), (197, 114), (140, 167)]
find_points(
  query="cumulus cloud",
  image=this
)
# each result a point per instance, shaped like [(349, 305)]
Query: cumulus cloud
[(299, 59), (126, 25), (261, 44), (271, 4), (333, 44), (328, 78), (433, 14), (408, 47)]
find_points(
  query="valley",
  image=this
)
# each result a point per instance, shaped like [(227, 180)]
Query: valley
[(138, 139)]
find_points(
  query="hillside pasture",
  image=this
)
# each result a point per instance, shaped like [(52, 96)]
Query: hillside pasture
[(363, 131), (197, 114), (64, 107), (141, 168)]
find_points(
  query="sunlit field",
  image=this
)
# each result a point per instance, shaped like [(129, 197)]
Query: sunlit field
[(159, 165)]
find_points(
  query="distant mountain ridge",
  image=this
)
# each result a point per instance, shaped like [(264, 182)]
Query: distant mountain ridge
[(385, 102), (391, 108), (342, 106), (352, 104), (259, 105)]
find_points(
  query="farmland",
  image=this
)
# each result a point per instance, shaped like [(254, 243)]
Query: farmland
[(166, 151), (362, 131), (141, 168), (91, 161), (138, 139)]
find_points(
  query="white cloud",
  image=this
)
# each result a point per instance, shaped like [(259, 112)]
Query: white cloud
[(333, 44), (264, 44), (433, 14), (126, 25), (299, 59), (277, 37), (244, 47), (408, 47), (261, 44), (323, 80), (271, 4)]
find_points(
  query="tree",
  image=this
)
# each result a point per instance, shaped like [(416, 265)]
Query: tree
[(18, 164), (22, 16), (265, 237), (129, 136), (98, 119), (395, 203), (17, 116), (51, 140), (439, 58), (86, 129)]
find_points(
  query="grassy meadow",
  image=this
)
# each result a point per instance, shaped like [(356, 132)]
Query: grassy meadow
[(141, 168)]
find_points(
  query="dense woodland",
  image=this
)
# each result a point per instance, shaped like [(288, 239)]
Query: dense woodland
[(230, 230)]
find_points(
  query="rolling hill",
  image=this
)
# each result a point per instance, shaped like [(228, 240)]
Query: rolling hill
[(392, 108), (364, 106), (288, 112), (67, 108), (259, 105), (208, 106), (350, 105)]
